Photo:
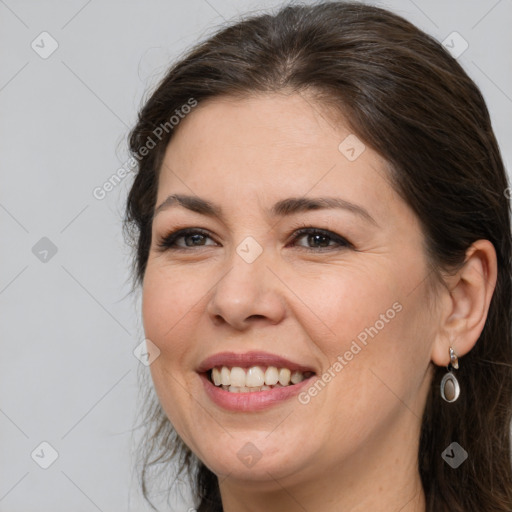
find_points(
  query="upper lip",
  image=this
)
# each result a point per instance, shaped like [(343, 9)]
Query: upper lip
[(248, 359)]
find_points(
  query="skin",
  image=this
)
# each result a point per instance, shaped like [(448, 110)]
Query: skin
[(353, 446)]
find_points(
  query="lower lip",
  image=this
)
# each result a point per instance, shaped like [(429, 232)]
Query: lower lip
[(251, 401)]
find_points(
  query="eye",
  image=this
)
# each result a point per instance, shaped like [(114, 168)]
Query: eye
[(185, 238), (309, 238), (314, 238)]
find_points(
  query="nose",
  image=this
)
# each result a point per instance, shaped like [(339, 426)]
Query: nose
[(248, 293)]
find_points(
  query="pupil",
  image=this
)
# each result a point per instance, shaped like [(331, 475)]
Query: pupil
[(195, 239), (320, 240)]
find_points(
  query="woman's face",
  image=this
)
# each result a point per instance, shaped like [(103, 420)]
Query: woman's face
[(300, 256)]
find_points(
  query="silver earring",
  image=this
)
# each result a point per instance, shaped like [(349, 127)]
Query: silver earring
[(450, 389)]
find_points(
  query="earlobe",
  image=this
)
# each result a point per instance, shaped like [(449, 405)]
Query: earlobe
[(466, 303)]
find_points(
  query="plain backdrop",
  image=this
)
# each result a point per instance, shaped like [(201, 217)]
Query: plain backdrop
[(68, 376)]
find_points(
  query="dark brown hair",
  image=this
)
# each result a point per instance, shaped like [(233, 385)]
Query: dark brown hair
[(409, 100)]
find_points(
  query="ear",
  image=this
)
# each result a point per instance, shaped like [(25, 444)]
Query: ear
[(465, 303)]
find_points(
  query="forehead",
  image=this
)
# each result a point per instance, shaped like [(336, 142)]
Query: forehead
[(269, 147)]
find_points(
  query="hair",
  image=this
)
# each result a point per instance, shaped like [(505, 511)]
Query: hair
[(408, 99)]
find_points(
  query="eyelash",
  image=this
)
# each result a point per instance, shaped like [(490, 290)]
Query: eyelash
[(168, 242)]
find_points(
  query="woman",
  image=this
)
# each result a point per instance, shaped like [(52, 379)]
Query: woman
[(323, 242)]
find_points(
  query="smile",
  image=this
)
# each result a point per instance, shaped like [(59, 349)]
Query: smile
[(255, 378), (252, 381)]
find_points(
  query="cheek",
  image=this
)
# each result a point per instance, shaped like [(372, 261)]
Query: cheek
[(167, 298), (373, 327), (168, 301), (347, 302), (170, 305)]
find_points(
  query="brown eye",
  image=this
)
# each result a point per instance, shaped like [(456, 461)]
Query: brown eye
[(194, 239), (313, 238), (319, 240), (185, 238)]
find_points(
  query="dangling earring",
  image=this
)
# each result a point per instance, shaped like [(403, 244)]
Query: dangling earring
[(450, 389)]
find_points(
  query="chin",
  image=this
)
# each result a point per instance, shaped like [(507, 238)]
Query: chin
[(261, 461)]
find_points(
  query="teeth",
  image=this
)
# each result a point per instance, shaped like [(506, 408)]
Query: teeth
[(297, 377), (237, 377), (216, 377), (284, 376), (255, 378), (225, 376), (271, 376)]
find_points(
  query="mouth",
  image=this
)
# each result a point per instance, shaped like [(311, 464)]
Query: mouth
[(237, 379), (252, 380)]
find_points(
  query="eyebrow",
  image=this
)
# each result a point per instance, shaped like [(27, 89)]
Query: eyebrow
[(282, 208)]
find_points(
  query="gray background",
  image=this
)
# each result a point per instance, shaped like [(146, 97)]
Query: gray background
[(68, 323)]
